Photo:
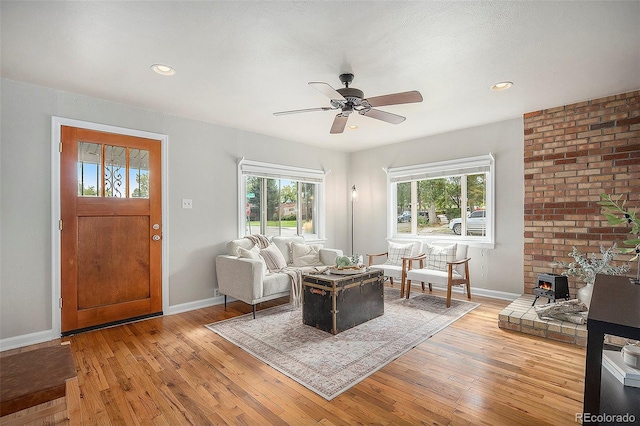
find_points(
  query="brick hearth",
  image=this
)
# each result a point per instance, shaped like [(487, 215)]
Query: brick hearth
[(520, 316)]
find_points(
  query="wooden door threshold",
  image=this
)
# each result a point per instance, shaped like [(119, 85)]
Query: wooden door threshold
[(110, 324)]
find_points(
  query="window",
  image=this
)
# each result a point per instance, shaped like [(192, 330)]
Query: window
[(280, 200), (112, 171), (443, 200)]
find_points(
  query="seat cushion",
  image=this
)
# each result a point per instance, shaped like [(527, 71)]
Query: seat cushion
[(431, 276), (393, 271), (275, 283)]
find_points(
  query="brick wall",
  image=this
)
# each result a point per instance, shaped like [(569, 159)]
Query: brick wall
[(572, 154)]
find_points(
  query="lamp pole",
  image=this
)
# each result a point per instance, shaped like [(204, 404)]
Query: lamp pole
[(354, 195)]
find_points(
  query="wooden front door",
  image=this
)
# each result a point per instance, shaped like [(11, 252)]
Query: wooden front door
[(111, 207)]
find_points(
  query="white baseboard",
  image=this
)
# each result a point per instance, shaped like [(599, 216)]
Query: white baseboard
[(27, 339), (48, 335), (493, 294), (198, 304)]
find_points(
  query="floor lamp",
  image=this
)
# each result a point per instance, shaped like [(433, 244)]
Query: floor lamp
[(354, 196)]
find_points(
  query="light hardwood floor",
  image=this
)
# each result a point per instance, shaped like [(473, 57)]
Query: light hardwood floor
[(172, 370)]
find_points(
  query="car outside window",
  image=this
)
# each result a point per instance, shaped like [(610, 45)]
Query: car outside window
[(428, 201), (476, 223)]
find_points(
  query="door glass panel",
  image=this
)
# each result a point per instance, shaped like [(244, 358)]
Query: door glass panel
[(89, 169), (138, 173), (115, 164)]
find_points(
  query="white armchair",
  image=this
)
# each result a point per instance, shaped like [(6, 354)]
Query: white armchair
[(396, 262), (441, 265), (248, 279)]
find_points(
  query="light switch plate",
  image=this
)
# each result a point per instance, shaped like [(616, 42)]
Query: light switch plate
[(187, 203)]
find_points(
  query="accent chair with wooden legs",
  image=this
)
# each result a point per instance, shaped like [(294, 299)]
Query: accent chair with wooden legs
[(396, 262), (443, 264)]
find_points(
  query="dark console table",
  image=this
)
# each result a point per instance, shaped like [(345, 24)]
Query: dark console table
[(615, 310)]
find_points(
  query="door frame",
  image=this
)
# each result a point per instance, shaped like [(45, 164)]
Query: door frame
[(56, 259)]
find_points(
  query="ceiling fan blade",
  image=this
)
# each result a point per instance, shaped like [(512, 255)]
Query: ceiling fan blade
[(384, 116), (339, 123), (395, 99), (327, 90), (296, 111)]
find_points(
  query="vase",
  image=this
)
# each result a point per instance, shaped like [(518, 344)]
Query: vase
[(584, 294)]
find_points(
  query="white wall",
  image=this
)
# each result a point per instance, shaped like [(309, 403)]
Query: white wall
[(202, 166), (499, 269)]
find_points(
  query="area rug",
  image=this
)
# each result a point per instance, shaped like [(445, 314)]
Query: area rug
[(328, 364)]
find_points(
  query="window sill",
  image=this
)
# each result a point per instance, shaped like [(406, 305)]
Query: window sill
[(471, 242)]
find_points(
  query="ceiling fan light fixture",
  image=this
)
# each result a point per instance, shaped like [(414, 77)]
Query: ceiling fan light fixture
[(503, 85), (349, 99), (163, 69)]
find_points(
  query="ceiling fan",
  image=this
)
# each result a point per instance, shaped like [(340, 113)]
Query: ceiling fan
[(349, 99)]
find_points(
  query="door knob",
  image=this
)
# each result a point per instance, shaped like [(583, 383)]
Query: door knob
[(156, 238), (156, 226)]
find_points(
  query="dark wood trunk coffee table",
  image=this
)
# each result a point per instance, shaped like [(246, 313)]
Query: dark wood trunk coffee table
[(335, 303)]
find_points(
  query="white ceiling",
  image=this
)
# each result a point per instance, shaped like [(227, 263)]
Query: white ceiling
[(238, 62)]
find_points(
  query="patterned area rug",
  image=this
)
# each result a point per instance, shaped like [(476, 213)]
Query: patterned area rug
[(328, 364)]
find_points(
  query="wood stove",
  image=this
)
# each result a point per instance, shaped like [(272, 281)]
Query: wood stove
[(551, 286)]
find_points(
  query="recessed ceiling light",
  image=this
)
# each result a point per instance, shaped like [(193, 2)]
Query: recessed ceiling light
[(503, 85), (163, 69), (352, 127)]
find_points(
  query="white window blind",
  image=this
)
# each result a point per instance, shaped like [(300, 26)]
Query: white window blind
[(481, 164), (279, 171)]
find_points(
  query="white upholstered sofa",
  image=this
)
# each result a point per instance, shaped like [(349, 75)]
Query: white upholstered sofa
[(248, 278)]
